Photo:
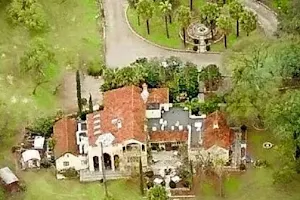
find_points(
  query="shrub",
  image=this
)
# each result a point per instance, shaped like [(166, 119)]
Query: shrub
[(84, 101), (95, 69), (43, 126), (101, 107), (242, 167), (27, 12), (149, 174), (187, 183), (150, 184), (172, 184), (45, 163), (69, 173), (261, 163)]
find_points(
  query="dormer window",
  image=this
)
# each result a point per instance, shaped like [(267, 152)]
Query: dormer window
[(215, 125)]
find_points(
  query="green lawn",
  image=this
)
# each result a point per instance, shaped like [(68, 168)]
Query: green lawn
[(158, 31), (73, 30), (42, 185), (254, 183)]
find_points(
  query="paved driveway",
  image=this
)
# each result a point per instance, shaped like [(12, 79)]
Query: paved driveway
[(124, 47), (266, 17)]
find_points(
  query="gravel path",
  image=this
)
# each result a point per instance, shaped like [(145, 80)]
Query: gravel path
[(123, 47)]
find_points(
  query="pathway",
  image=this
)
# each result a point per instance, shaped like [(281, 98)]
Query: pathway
[(123, 47), (266, 17)]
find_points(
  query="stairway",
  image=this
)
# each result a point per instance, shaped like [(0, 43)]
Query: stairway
[(89, 176)]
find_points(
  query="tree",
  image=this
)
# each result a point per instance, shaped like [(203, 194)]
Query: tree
[(43, 126), (132, 4), (157, 192), (184, 17), (141, 177), (191, 5), (289, 16), (225, 25), (145, 9), (27, 12), (235, 10), (166, 9), (211, 76), (188, 80), (78, 89), (248, 21), (210, 12), (255, 81), (37, 58), (91, 104), (175, 4), (37, 62)]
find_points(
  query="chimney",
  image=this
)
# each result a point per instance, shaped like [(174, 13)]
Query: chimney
[(145, 93)]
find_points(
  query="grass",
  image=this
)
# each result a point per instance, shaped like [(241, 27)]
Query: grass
[(42, 185), (158, 31), (255, 183), (74, 34)]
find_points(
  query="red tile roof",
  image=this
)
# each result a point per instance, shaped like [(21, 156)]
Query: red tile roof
[(158, 95), (221, 136), (64, 134), (168, 136), (126, 105)]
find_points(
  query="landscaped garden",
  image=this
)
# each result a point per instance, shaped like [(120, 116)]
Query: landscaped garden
[(174, 24)]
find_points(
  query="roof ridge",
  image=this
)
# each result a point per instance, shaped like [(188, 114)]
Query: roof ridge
[(66, 132), (133, 114)]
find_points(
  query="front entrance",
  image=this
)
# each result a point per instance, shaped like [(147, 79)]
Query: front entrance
[(96, 163), (107, 161)]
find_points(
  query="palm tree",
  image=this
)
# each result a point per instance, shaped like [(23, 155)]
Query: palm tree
[(166, 8), (225, 25), (209, 14), (132, 4), (235, 10), (248, 21), (184, 17), (191, 5), (175, 4), (145, 9)]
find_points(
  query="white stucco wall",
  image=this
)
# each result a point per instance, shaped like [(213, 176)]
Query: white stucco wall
[(150, 114), (74, 162), (157, 113), (116, 149)]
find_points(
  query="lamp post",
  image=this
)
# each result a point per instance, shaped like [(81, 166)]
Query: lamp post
[(103, 170)]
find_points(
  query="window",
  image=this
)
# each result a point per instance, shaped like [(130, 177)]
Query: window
[(143, 147), (66, 164)]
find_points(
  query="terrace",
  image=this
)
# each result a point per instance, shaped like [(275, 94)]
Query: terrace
[(176, 120)]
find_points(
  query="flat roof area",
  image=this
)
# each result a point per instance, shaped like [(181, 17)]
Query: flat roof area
[(173, 116)]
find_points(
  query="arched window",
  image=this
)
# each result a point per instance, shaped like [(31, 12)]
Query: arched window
[(143, 147)]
